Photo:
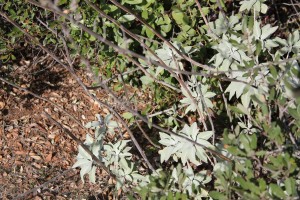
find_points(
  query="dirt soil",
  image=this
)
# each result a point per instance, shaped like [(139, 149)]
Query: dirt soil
[(32, 150)]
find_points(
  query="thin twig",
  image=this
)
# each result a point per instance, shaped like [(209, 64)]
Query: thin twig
[(205, 20), (34, 40), (137, 114), (161, 37), (226, 104), (127, 52), (208, 114), (43, 99), (137, 123), (144, 119), (222, 11), (186, 88), (79, 142), (31, 193), (134, 36), (164, 65), (114, 46), (71, 69)]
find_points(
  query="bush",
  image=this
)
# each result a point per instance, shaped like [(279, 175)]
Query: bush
[(222, 92)]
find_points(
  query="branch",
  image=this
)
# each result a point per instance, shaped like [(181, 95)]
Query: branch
[(205, 20), (35, 41), (134, 112), (32, 193), (127, 10), (43, 99), (79, 142), (71, 69)]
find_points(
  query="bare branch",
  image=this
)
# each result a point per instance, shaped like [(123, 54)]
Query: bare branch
[(79, 142), (161, 37), (43, 99), (33, 192), (137, 114)]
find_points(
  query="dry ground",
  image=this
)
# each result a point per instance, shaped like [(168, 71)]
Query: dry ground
[(34, 151)]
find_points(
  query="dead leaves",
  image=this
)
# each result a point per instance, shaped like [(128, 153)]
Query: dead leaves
[(2, 105), (36, 150)]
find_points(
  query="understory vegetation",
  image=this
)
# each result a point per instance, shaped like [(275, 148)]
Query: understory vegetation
[(207, 90)]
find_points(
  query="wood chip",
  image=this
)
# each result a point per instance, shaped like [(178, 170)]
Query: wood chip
[(2, 105), (36, 157), (20, 153), (48, 157)]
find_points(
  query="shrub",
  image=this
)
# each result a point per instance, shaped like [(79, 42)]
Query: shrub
[(227, 88)]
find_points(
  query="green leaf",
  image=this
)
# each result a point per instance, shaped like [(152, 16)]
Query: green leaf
[(126, 18), (127, 115), (133, 2), (61, 2), (166, 28), (179, 17), (235, 151), (243, 183), (246, 5), (149, 32), (92, 124), (92, 174), (236, 110), (262, 184), (294, 113), (217, 195), (245, 140), (145, 14), (146, 80), (257, 30), (243, 109), (277, 191), (260, 153), (258, 48), (81, 162), (92, 38), (263, 8), (183, 149), (253, 141), (267, 31), (205, 10), (290, 186)]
